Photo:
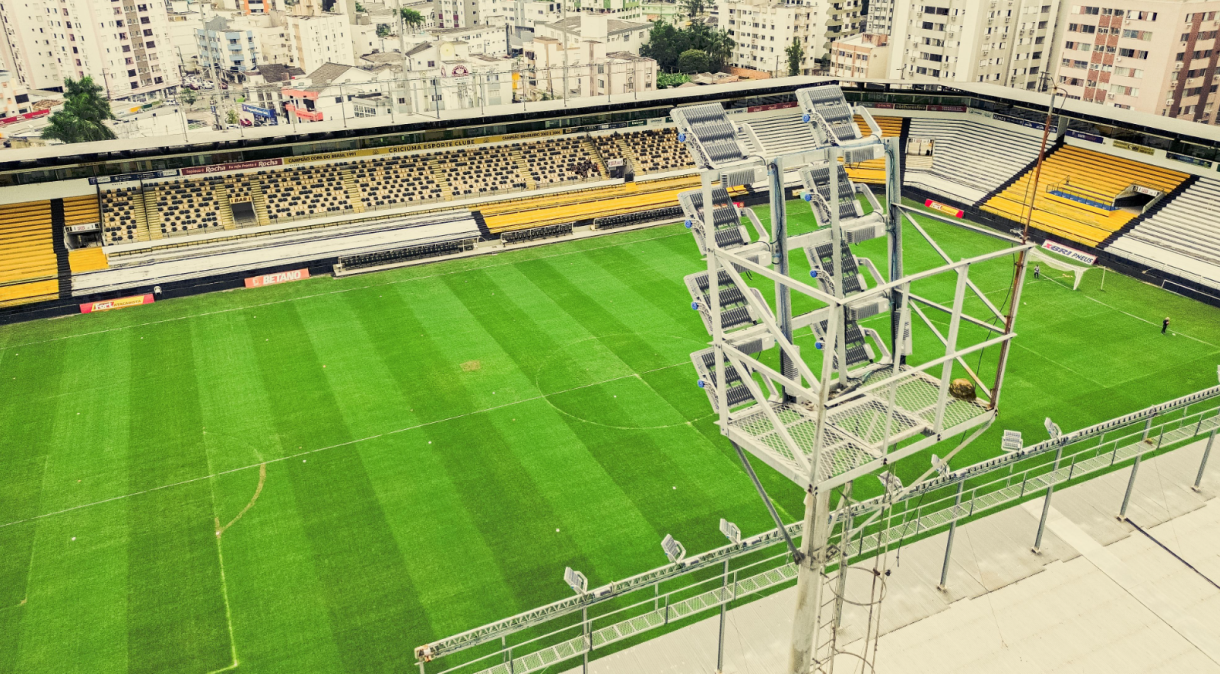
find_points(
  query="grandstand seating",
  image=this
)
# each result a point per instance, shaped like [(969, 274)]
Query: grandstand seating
[(183, 206), (28, 271), (123, 216), (306, 191), (587, 204), (969, 159), (873, 170), (87, 259), (388, 182), (558, 161), (1086, 172), (1185, 225), (649, 151), (481, 171)]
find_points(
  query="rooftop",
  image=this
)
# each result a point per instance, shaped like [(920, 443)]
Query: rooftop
[(613, 26)]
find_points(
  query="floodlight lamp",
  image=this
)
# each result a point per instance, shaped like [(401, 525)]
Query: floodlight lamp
[(576, 580), (1011, 441), (940, 465), (673, 549), (890, 481), (730, 531), (1052, 428)]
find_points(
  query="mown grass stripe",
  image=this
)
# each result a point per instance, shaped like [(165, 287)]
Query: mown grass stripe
[(175, 609), (369, 596)]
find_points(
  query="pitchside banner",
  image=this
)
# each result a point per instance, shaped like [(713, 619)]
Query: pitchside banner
[(1063, 250), (273, 279), (943, 208), (120, 303)]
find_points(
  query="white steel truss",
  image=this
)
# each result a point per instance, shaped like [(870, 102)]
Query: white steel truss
[(866, 408)]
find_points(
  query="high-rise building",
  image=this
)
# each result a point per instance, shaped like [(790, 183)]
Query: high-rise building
[(123, 44), (764, 29), (1005, 42), (1154, 57)]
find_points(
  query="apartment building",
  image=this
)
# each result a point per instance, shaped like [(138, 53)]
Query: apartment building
[(764, 29), (123, 44), (1154, 57), (1005, 42), (14, 99), (863, 56), (226, 50), (314, 41)]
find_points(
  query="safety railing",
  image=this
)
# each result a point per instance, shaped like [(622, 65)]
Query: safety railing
[(625, 611)]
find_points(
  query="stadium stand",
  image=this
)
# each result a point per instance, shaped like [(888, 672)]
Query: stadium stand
[(559, 161), (185, 206), (649, 151), (969, 159), (123, 216), (873, 170), (482, 170), (1079, 193), (82, 260), (1185, 226), (27, 257), (585, 204), (396, 181), (306, 192)]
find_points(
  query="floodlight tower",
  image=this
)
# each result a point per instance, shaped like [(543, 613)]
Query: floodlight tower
[(866, 408)]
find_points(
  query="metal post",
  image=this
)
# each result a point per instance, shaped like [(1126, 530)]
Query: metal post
[(724, 609), (779, 258), (1046, 504), (844, 547), (893, 200), (584, 617), (1211, 440), (809, 580), (1147, 429), (944, 570), (1122, 514)]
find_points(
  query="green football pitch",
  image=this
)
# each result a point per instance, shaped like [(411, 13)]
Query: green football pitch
[(318, 477)]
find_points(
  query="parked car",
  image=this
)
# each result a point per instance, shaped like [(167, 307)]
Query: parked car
[(209, 85)]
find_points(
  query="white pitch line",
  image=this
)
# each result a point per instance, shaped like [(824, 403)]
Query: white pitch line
[(336, 292), (334, 446)]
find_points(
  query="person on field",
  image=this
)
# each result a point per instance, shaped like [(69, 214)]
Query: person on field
[(1164, 325), (1037, 272)]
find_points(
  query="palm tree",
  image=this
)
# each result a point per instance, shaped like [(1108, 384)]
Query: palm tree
[(412, 18), (83, 114)]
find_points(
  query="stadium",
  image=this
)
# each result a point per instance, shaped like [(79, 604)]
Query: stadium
[(458, 395)]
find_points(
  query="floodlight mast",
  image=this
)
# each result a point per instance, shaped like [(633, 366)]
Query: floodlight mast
[(822, 430)]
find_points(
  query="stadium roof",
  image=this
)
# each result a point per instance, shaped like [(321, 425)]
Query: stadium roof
[(212, 141)]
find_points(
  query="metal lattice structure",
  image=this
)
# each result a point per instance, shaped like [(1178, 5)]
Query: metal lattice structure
[(870, 403)]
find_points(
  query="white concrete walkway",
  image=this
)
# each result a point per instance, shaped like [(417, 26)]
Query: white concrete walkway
[(1101, 597)]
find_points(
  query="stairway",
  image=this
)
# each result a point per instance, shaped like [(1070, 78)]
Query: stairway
[(63, 270), (224, 209), (438, 174), (591, 150), (524, 167), (148, 221), (260, 203), (353, 191), (624, 149)]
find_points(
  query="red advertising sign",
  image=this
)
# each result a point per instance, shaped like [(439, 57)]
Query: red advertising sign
[(947, 108), (277, 278), (25, 116), (120, 303), (943, 208), (771, 106), (232, 166)]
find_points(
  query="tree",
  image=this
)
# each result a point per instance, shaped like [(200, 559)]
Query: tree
[(383, 29), (83, 114), (412, 18), (795, 53), (693, 61), (719, 48), (693, 8), (231, 117), (667, 80), (359, 7), (665, 43), (188, 96)]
